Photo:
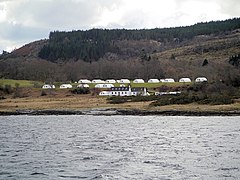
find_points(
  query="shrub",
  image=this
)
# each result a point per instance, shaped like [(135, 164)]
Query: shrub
[(117, 100), (2, 97), (37, 85), (217, 99), (81, 90), (8, 89), (43, 93), (123, 99), (200, 98)]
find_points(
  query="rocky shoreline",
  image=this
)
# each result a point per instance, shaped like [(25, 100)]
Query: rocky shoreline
[(110, 112)]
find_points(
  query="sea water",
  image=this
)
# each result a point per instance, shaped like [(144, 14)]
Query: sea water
[(119, 147)]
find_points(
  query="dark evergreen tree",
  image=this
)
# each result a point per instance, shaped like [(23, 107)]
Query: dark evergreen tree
[(93, 44), (205, 62)]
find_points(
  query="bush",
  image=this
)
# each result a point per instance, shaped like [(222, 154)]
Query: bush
[(43, 93), (1, 98), (123, 99), (199, 98), (81, 90), (37, 85), (117, 100), (217, 99), (178, 99), (8, 89)]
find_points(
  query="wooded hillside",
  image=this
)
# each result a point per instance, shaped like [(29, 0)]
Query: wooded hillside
[(205, 49), (93, 44)]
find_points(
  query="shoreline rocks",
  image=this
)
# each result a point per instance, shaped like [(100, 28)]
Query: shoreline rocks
[(112, 111)]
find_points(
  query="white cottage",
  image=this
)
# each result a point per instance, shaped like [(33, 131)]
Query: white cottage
[(201, 79), (120, 91), (65, 86), (185, 80), (84, 81), (153, 81), (138, 81), (125, 91)]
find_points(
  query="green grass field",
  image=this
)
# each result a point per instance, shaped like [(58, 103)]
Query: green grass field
[(20, 83)]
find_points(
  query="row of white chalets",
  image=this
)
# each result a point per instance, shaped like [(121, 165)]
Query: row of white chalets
[(109, 83), (51, 86), (127, 81)]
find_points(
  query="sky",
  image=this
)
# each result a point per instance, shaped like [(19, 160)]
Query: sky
[(25, 21)]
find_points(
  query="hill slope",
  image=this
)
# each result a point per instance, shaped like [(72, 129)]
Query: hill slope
[(203, 49)]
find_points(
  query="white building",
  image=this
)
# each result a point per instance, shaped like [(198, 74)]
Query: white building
[(201, 79), (126, 81), (48, 86), (83, 86), (167, 80), (110, 81), (153, 81), (84, 81), (104, 93), (104, 85), (125, 91), (65, 86), (185, 80), (167, 93), (138, 81), (98, 81)]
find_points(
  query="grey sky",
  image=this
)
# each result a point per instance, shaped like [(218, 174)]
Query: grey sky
[(23, 21)]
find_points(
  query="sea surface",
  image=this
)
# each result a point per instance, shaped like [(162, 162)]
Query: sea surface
[(119, 147)]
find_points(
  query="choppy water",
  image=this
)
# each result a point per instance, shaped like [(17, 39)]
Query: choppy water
[(119, 147)]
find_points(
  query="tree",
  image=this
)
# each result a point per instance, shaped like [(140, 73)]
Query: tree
[(234, 60), (205, 62)]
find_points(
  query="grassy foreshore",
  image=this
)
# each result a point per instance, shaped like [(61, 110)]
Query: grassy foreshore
[(23, 97), (68, 103)]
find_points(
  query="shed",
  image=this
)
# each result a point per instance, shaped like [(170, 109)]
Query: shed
[(65, 86), (138, 81), (153, 81), (201, 79), (84, 81), (104, 85), (185, 80)]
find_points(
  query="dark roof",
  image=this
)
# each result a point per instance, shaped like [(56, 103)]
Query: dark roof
[(120, 89), (137, 89)]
